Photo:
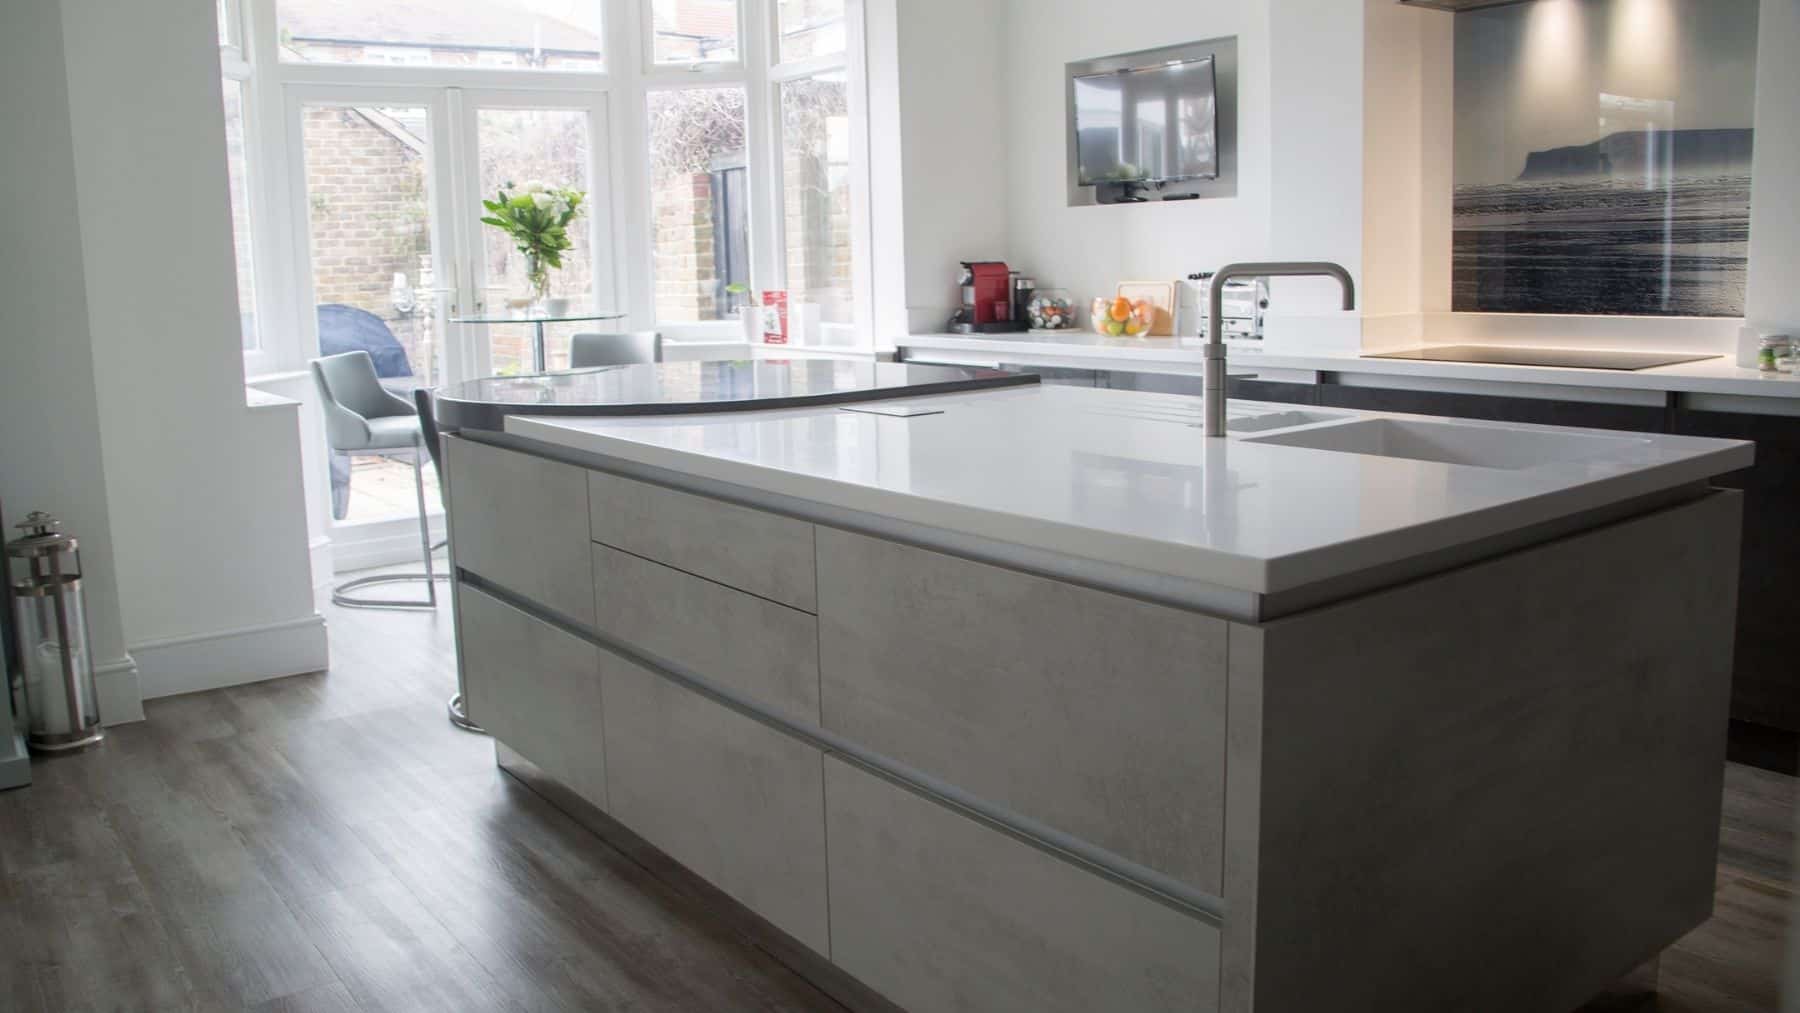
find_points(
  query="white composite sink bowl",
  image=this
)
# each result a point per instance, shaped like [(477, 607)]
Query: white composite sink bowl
[(1279, 420), (1452, 443)]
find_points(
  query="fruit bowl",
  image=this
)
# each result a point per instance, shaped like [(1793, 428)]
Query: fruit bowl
[(1123, 318)]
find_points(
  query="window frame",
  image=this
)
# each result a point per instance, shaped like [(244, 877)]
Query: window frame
[(621, 88), (852, 63), (761, 74), (674, 69)]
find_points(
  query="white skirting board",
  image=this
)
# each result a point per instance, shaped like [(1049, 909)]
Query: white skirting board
[(118, 692), (232, 657)]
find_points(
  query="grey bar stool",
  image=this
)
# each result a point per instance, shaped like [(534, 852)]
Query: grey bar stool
[(362, 418), (587, 351), (459, 714)]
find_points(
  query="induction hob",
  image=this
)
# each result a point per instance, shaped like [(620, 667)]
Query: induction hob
[(1574, 358)]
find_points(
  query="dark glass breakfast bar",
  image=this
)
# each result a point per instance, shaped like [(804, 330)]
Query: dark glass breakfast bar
[(683, 388)]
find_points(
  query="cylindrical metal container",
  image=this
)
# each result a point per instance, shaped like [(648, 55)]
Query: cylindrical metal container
[(54, 667)]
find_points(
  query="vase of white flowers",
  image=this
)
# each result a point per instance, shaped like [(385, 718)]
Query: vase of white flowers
[(536, 218)]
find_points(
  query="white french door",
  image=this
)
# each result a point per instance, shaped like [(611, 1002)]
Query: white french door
[(384, 196), (510, 138), (387, 204)]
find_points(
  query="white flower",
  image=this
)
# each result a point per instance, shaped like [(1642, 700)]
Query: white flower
[(535, 187)]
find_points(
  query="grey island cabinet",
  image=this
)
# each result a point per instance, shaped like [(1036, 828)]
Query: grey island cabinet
[(1104, 725)]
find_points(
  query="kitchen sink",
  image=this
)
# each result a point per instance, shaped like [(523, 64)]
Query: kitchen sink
[(1450, 443), (1278, 420)]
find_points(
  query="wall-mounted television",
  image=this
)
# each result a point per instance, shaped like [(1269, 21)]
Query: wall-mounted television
[(1147, 125)]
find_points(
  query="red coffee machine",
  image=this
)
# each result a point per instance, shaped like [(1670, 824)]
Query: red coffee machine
[(987, 296)]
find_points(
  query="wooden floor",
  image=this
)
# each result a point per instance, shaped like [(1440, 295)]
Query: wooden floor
[(329, 842)]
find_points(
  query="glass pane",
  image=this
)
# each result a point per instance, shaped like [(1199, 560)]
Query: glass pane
[(811, 28), (521, 147), (815, 195), (694, 31), (519, 34), (238, 178), (369, 209), (699, 202)]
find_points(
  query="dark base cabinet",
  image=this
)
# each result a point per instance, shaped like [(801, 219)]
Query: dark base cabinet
[(1766, 687), (1530, 411)]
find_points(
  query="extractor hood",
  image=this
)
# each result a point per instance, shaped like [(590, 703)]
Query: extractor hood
[(1458, 6)]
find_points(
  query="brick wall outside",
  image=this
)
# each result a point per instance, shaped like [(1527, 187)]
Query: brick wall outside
[(684, 255), (368, 204), (816, 224)]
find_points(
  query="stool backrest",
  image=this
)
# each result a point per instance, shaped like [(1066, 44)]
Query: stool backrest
[(586, 351)]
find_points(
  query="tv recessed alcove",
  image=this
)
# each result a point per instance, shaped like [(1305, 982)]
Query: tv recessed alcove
[(1153, 125)]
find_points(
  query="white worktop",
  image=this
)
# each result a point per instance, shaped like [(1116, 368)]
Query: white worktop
[(1710, 376), (1124, 479)]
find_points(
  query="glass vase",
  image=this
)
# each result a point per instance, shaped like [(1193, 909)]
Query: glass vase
[(537, 277)]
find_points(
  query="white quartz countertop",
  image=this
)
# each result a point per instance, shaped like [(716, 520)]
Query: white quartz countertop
[(1125, 479), (1711, 376)]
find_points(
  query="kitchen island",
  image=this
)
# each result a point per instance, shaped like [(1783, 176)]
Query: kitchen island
[(1042, 701)]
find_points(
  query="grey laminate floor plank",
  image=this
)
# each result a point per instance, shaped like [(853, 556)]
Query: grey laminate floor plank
[(328, 843)]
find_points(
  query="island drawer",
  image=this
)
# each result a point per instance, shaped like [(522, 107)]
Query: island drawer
[(750, 646), (535, 688), (1099, 715), (734, 801), (520, 521), (939, 912), (766, 554)]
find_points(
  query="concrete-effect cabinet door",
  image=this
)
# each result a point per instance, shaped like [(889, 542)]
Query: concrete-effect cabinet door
[(1099, 715), (765, 554), (535, 688), (733, 800), (521, 522), (938, 912)]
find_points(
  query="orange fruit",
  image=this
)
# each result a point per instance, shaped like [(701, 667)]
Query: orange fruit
[(1121, 309)]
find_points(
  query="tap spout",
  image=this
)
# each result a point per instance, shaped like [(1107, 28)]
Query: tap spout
[(1215, 321)]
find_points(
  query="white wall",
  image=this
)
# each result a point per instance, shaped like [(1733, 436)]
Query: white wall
[(207, 512), (50, 440), (1089, 250), (1345, 147), (951, 112), (1773, 298), (1316, 71)]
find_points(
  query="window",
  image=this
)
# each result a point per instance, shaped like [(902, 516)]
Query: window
[(815, 194), (238, 174), (810, 28), (818, 186), (517, 147), (517, 34), (699, 234), (694, 31)]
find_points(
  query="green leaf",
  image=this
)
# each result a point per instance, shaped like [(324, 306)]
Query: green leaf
[(496, 222)]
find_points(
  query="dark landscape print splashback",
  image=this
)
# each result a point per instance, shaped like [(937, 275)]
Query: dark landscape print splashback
[(1603, 156)]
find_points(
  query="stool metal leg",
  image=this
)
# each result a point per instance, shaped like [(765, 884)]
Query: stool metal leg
[(459, 716), (341, 594)]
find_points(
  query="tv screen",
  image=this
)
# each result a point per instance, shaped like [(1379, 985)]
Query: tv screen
[(1155, 124)]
